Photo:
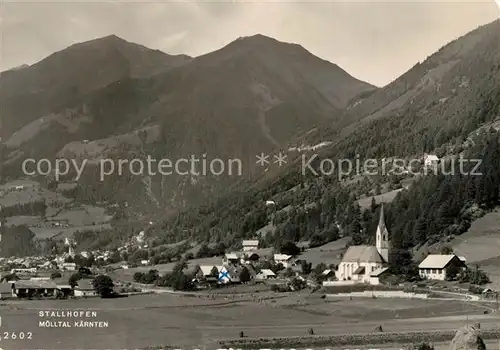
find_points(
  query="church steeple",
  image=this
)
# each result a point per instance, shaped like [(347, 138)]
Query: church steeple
[(382, 236)]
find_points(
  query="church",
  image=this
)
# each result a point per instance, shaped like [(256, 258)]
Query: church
[(364, 263)]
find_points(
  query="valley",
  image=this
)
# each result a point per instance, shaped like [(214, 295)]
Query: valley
[(293, 203)]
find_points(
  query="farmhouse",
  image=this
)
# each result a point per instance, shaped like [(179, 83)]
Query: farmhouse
[(30, 288), (360, 261), (209, 273), (68, 266), (283, 259), (265, 274), (430, 160), (250, 245), (435, 266)]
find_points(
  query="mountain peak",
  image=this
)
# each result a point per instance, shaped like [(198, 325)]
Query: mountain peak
[(261, 40)]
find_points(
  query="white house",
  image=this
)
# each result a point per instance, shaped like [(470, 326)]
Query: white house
[(265, 274), (328, 274), (250, 245), (283, 259), (269, 203), (68, 266), (144, 262), (231, 258), (375, 275), (206, 270), (360, 261), (434, 266), (431, 160)]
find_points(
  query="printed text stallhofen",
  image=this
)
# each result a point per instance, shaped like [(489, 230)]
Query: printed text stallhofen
[(70, 314)]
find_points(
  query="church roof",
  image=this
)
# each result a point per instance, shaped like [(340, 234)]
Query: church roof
[(362, 253)]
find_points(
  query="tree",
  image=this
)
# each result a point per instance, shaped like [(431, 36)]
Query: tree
[(204, 252), (306, 267), (401, 263), (84, 271), (10, 277), (288, 272), (103, 285), (289, 248), (424, 346), (298, 284), (245, 275), (55, 275), (74, 278), (447, 250), (214, 272), (138, 277)]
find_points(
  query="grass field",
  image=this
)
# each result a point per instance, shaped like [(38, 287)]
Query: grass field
[(328, 253), (60, 210), (187, 321), (481, 245)]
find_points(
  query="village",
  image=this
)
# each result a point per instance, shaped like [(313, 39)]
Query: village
[(361, 267)]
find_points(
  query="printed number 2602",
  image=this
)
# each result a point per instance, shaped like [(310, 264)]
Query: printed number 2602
[(16, 336)]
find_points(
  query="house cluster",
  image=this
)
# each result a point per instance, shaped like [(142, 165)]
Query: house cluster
[(367, 264), (250, 258), (45, 287)]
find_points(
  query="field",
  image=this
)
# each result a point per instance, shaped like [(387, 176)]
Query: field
[(481, 245), (328, 253), (62, 217), (205, 319)]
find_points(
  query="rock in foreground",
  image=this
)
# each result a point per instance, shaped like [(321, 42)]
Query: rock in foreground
[(467, 338)]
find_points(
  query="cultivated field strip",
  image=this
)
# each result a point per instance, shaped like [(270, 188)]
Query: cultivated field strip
[(350, 339)]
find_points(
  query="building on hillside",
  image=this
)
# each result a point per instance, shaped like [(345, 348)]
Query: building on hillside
[(360, 261), (431, 160), (250, 245), (283, 259), (265, 274), (231, 259), (84, 288), (435, 266)]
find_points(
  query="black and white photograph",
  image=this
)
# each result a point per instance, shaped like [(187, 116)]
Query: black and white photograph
[(249, 175)]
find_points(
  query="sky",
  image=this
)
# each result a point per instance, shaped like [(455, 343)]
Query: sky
[(375, 41)]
